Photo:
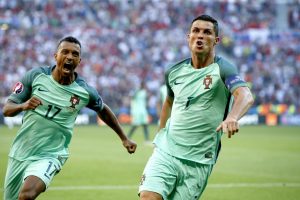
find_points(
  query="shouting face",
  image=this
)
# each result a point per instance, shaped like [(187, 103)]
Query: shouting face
[(67, 58), (202, 37)]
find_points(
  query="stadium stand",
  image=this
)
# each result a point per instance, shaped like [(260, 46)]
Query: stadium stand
[(127, 41)]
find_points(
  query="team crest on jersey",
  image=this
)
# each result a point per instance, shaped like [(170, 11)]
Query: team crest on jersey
[(18, 88), (74, 101), (207, 81)]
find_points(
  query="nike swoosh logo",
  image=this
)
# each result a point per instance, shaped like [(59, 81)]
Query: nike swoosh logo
[(42, 90), (177, 83)]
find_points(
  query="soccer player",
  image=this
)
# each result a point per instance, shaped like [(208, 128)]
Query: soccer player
[(138, 111), (51, 98), (194, 115)]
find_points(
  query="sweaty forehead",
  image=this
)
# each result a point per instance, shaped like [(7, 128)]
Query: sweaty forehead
[(69, 45), (202, 24)]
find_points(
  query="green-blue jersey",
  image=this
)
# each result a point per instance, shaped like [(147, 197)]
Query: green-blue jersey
[(200, 103), (47, 130), (138, 105)]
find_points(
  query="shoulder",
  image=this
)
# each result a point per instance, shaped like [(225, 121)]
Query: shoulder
[(229, 74), (177, 65), (40, 70), (34, 72), (95, 101), (226, 67), (224, 64), (82, 83)]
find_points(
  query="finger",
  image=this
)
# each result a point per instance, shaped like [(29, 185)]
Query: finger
[(237, 127), (134, 148), (224, 128), (131, 149), (230, 129), (37, 100), (32, 105), (34, 102), (219, 128)]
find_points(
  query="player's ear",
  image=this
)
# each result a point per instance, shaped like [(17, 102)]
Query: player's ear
[(217, 40), (55, 56)]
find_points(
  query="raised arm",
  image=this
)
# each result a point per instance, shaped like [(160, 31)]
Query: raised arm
[(242, 102), (111, 120)]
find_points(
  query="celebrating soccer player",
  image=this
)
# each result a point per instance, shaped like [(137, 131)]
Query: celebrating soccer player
[(51, 98), (194, 115)]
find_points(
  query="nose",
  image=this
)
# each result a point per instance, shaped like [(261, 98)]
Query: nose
[(69, 56), (200, 35)]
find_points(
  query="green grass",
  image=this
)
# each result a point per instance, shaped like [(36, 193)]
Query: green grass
[(260, 163)]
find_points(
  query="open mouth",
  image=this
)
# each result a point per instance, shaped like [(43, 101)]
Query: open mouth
[(199, 43), (68, 67)]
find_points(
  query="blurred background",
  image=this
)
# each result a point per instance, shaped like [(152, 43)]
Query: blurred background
[(127, 41)]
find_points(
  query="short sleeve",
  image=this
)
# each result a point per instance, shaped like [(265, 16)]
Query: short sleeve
[(95, 101), (229, 75), (22, 89)]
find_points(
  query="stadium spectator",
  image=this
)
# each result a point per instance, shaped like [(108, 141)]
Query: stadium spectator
[(147, 37)]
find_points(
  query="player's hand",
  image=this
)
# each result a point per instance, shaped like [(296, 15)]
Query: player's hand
[(31, 103), (229, 126), (130, 146)]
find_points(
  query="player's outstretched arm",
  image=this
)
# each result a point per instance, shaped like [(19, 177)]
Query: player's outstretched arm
[(243, 100), (111, 120), (11, 108)]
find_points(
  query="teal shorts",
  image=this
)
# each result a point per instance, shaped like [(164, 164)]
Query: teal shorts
[(18, 171), (173, 178)]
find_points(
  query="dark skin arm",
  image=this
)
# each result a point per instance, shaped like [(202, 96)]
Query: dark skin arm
[(242, 102), (111, 120), (11, 108)]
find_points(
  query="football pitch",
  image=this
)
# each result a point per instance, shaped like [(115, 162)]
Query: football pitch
[(259, 163)]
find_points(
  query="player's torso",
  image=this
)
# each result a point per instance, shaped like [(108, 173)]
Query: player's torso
[(60, 103), (200, 98), (198, 93)]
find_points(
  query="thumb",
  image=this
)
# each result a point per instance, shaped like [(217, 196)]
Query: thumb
[(219, 128)]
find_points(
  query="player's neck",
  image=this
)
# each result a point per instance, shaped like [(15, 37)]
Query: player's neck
[(63, 80), (201, 61), (66, 80)]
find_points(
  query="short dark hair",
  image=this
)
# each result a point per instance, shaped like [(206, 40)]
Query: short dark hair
[(69, 39), (210, 19)]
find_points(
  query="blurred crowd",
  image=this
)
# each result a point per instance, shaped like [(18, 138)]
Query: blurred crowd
[(126, 41)]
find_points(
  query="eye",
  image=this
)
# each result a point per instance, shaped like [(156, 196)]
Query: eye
[(207, 32), (64, 51), (75, 54), (195, 30)]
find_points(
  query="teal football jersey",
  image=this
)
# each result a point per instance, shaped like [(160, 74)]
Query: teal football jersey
[(138, 105), (139, 101), (47, 130), (200, 103)]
